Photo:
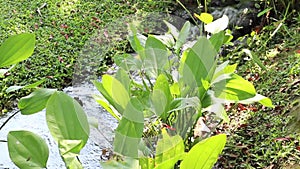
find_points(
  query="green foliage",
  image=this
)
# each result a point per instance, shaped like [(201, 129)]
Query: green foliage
[(35, 102), (176, 101), (27, 150), (61, 28), (207, 151), (66, 120), (16, 48), (169, 150)]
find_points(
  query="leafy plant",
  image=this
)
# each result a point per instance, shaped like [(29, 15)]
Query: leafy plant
[(66, 119), (175, 88)]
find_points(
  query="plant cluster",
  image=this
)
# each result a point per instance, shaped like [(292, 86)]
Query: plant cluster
[(172, 89)]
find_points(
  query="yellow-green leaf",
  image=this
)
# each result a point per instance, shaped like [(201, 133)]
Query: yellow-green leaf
[(205, 17)]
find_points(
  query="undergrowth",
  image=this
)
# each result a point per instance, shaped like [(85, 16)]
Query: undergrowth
[(61, 28), (259, 137)]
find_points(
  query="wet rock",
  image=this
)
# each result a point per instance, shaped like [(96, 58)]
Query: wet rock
[(241, 20)]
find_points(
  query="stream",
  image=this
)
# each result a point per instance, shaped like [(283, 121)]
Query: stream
[(90, 155)]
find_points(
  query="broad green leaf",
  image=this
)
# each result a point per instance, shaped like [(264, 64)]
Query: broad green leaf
[(156, 57), (27, 150), (137, 42), (184, 103), (196, 64), (161, 97), (130, 129), (172, 29), (169, 150), (106, 100), (66, 119), (205, 17), (128, 62), (235, 89), (223, 72), (126, 163), (107, 106), (122, 77), (266, 102), (69, 150), (254, 58), (114, 92), (217, 40), (174, 89), (183, 35), (16, 48), (35, 102), (166, 39), (30, 86), (146, 163), (259, 98), (205, 153)]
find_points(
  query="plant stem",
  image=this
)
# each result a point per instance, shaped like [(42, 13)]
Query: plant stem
[(178, 1), (7, 120)]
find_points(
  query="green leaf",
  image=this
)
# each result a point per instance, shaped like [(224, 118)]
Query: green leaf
[(27, 150), (184, 103), (114, 92), (196, 64), (161, 97), (69, 150), (16, 48), (172, 29), (128, 62), (205, 17), (156, 57), (235, 89), (130, 129), (254, 58), (217, 40), (166, 39), (107, 106), (137, 42), (30, 86), (205, 153), (183, 35), (35, 102), (169, 150), (146, 163), (66, 119), (122, 76), (263, 12), (126, 163), (223, 71), (259, 98)]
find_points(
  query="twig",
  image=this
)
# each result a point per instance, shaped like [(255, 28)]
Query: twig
[(39, 9), (7, 120)]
